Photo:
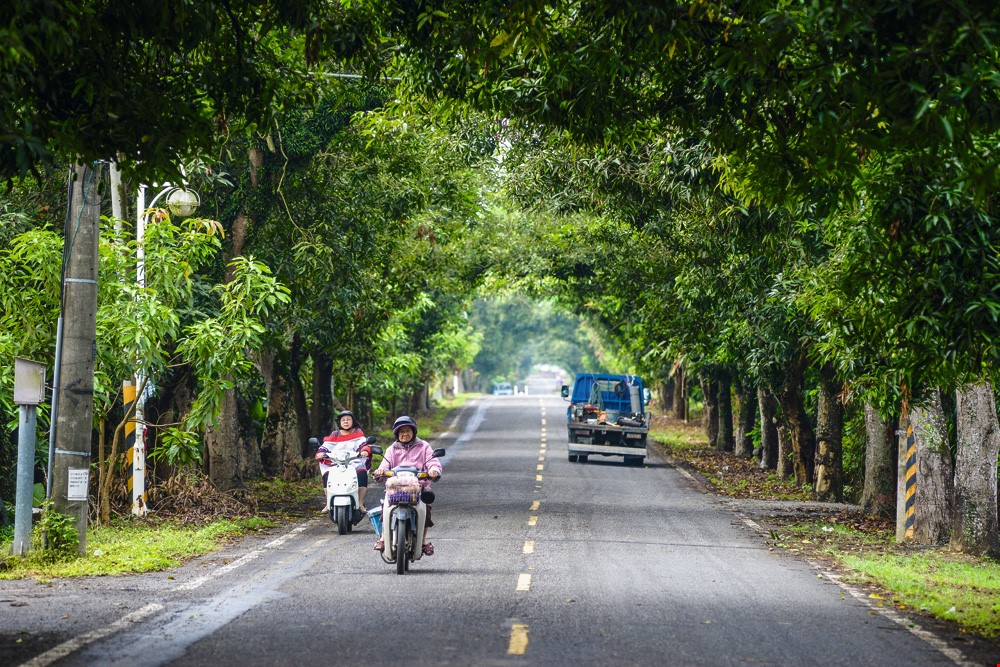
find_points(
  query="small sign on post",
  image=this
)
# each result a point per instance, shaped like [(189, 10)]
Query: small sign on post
[(29, 391), (29, 382)]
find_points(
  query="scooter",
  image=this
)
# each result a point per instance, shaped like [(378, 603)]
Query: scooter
[(403, 515), (342, 488)]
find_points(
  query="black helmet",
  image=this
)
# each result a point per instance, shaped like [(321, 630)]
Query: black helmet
[(345, 413), (400, 423)]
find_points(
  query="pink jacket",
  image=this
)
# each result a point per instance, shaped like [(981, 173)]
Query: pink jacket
[(419, 455)]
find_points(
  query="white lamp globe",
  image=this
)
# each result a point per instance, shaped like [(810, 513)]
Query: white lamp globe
[(183, 202)]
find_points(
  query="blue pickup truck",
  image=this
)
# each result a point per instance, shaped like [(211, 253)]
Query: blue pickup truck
[(607, 416)]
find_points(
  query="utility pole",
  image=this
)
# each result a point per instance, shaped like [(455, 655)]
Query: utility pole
[(74, 422)]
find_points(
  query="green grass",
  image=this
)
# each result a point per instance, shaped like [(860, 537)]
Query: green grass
[(128, 547), (947, 585)]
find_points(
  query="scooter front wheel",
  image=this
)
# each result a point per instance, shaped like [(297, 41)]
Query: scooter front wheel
[(402, 556), (343, 519)]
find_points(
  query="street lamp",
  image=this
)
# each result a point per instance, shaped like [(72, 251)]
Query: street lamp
[(183, 203)]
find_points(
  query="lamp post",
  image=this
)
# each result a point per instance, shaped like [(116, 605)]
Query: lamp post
[(182, 202)]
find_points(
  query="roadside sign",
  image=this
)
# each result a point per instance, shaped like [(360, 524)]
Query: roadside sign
[(29, 382)]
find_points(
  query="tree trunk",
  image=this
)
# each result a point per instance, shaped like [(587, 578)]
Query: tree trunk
[(768, 429), (710, 413), (321, 412), (680, 394), (974, 529), (795, 420), (285, 428), (231, 445), (745, 421), (935, 484), (784, 467), (879, 494), (666, 396), (726, 442), (829, 439)]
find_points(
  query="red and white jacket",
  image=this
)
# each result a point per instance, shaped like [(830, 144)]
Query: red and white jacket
[(337, 441)]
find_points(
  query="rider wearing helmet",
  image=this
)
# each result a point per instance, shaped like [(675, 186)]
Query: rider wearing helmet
[(409, 450), (349, 437)]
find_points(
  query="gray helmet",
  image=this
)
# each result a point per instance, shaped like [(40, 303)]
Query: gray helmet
[(400, 423)]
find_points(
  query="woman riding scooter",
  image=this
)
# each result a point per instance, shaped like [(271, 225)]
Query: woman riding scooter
[(352, 438), (409, 450)]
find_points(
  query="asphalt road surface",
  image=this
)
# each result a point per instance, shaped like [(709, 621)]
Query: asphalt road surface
[(539, 562)]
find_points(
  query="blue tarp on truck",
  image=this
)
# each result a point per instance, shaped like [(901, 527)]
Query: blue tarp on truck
[(607, 416)]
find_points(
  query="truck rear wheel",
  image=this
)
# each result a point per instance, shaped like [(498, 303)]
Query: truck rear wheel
[(634, 460), (572, 458), (583, 458)]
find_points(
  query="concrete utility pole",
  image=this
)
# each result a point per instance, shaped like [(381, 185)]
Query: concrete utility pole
[(74, 423)]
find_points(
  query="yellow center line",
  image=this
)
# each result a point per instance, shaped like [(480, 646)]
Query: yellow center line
[(541, 457), (529, 547), (523, 582), (538, 478), (518, 639), (540, 466), (543, 432), (543, 421), (532, 520), (535, 504)]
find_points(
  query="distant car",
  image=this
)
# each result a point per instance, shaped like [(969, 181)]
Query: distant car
[(503, 389)]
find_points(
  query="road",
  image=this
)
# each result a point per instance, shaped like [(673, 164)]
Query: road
[(539, 562)]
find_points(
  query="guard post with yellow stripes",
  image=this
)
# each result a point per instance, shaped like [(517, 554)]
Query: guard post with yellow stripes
[(906, 497), (135, 453)]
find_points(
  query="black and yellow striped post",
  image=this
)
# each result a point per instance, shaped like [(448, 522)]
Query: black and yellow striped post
[(134, 455), (911, 482)]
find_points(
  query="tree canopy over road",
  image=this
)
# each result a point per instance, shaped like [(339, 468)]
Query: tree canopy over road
[(792, 202)]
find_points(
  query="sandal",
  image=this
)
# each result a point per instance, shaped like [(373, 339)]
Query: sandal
[(428, 549), (380, 545)]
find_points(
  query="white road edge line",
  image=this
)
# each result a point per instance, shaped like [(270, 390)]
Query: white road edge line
[(953, 654), (241, 561), (76, 643)]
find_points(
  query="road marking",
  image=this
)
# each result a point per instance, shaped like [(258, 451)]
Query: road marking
[(532, 520), (540, 466), (243, 560), (518, 639), (62, 650), (523, 582), (543, 431), (535, 504), (538, 478), (541, 456), (529, 547), (543, 421)]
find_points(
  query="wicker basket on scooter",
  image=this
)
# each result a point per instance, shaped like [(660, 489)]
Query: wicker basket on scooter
[(402, 490)]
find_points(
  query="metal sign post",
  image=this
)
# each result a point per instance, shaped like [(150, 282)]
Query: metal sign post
[(29, 391)]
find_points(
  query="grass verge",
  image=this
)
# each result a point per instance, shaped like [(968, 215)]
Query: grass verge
[(946, 585), (129, 546)]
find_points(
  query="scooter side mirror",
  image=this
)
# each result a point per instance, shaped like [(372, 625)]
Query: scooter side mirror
[(438, 453), (314, 443), (376, 449), (370, 440)]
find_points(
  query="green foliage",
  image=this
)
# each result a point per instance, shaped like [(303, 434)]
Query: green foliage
[(57, 538), (177, 448)]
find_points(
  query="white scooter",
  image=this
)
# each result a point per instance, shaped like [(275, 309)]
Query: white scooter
[(342, 488), (403, 515)]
